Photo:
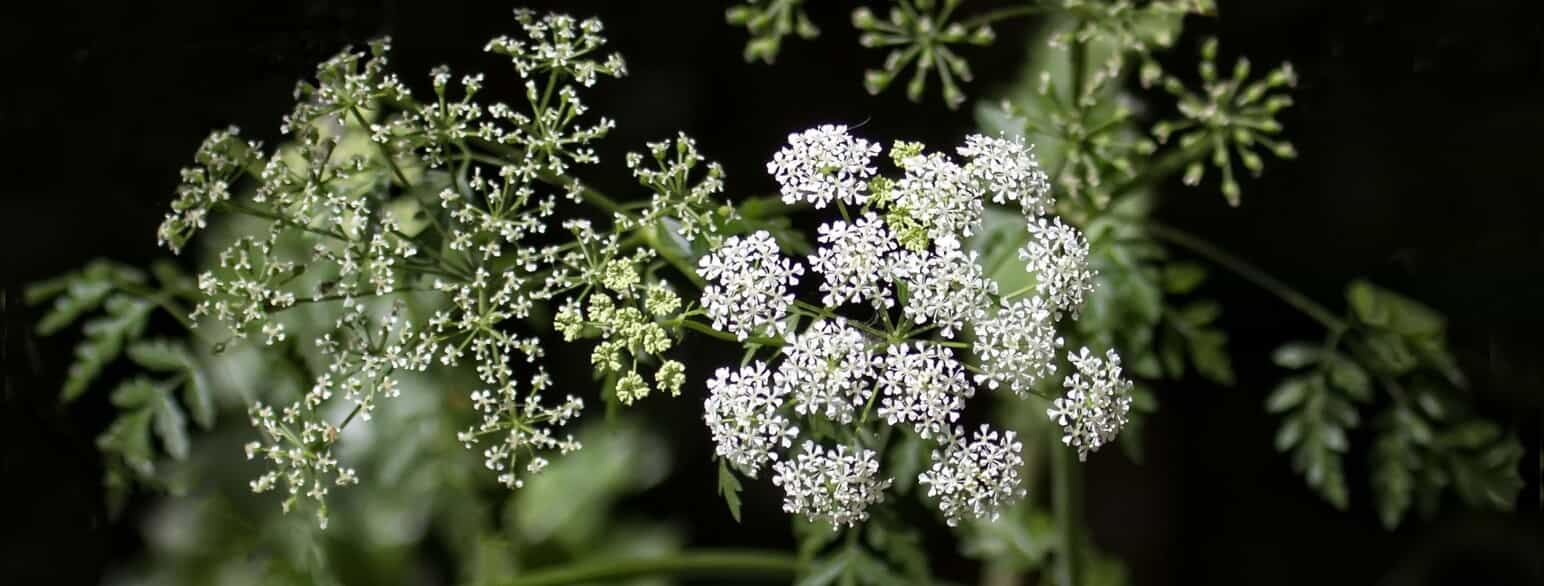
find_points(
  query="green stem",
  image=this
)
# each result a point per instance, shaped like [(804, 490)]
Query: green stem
[(1250, 273), (726, 336), (1068, 476), (719, 564), (385, 152), (1168, 164), (1001, 14)]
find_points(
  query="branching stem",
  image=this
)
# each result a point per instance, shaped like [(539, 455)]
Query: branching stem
[(718, 564)]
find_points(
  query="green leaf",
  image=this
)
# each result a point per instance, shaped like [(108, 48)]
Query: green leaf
[(1381, 307), (1472, 434), (1296, 355), (825, 571), (1351, 378), (998, 241), (81, 297), (906, 460), (1392, 352), (1290, 432), (129, 438), (105, 336), (901, 544), (135, 393), (1289, 394), (1200, 313), (1021, 539), (171, 426), (1394, 461), (1182, 277), (1208, 350), (198, 398), (729, 487), (161, 355)]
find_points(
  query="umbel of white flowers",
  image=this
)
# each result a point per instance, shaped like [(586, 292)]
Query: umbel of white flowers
[(901, 242)]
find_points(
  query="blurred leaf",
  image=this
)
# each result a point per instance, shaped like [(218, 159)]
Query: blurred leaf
[(105, 336), (129, 438), (729, 487), (1002, 234), (1295, 355), (170, 425), (135, 393), (1021, 539), (160, 354), (573, 498), (906, 459), (1383, 308), (1180, 278)]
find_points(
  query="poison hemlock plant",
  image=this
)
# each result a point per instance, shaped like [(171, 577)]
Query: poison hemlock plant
[(380, 290)]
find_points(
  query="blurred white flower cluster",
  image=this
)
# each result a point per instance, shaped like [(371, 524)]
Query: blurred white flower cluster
[(910, 291)]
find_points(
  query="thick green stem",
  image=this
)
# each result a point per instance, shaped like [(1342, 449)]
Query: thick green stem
[(1068, 476), (1249, 273), (717, 564)]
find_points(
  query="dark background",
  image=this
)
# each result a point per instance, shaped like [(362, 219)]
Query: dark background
[(1418, 126)]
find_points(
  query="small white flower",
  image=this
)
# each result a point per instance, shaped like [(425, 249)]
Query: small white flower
[(923, 386), (822, 164), (1018, 346), (833, 486), (1008, 170), (749, 285), (1097, 402), (1057, 254), (827, 370), (940, 195), (856, 261), (742, 414), (976, 479), (947, 286)]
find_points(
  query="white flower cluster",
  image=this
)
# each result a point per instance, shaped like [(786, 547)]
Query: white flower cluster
[(221, 159), (975, 479), (824, 164), (947, 286), (532, 434), (827, 370), (1057, 255), (1097, 402), (856, 262), (940, 195), (342, 226), (742, 413), (924, 387), (1007, 169), (749, 280), (1018, 346), (676, 196), (300, 450), (833, 486), (902, 254)]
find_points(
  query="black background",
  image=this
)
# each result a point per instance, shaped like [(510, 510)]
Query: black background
[(1418, 126)]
